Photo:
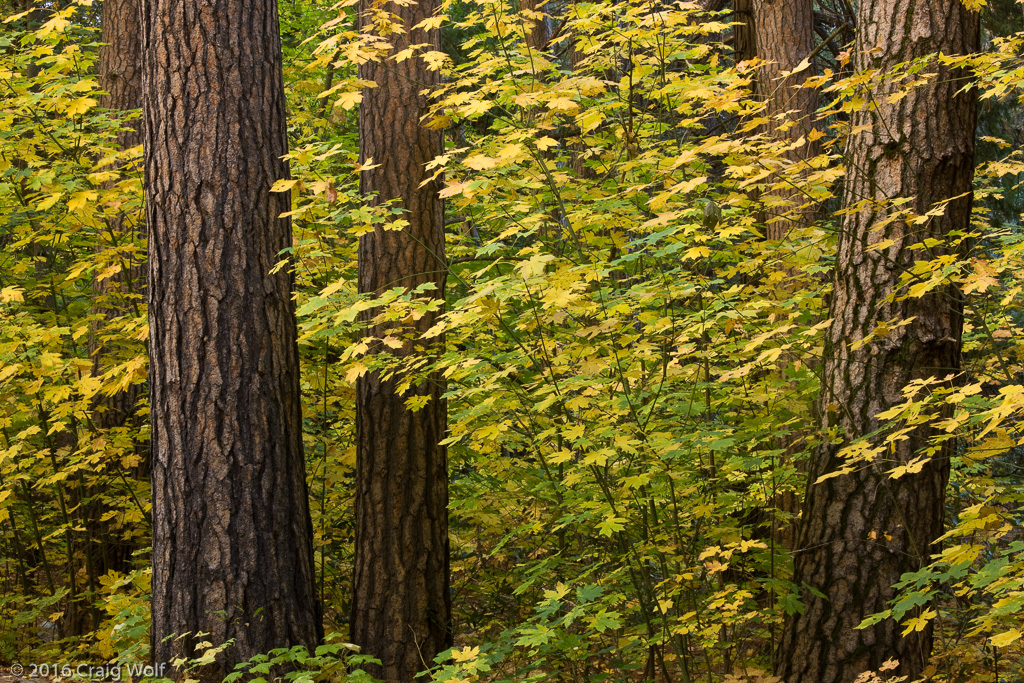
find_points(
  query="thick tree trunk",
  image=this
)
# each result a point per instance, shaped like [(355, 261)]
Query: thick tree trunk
[(401, 607), (232, 537), (860, 532)]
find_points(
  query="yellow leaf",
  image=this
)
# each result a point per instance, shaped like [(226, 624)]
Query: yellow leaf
[(661, 219), (546, 142), (28, 431), (57, 23), (80, 105), (535, 266), (48, 202), (526, 99), (453, 189), (478, 162), (15, 17), (805, 64), (355, 372), (509, 152), (431, 23), (897, 96), (688, 185), (397, 224), (79, 200), (283, 185), (475, 107), (921, 622), (589, 120), (347, 100), (912, 467), (109, 272), (366, 166), (466, 654), (101, 177), (563, 104), (434, 59), (1004, 639), (843, 471)]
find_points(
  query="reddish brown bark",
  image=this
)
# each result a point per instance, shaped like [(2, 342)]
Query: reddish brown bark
[(232, 537), (861, 531), (784, 31), (744, 33), (120, 71), (401, 607)]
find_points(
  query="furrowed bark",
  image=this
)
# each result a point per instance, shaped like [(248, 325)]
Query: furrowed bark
[(401, 606), (744, 33), (784, 31), (232, 537), (861, 531), (120, 69), (120, 72)]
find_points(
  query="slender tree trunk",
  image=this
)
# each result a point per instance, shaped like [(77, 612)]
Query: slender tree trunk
[(232, 537), (401, 607), (784, 31), (120, 64), (120, 72), (536, 28), (120, 69), (861, 531), (781, 32)]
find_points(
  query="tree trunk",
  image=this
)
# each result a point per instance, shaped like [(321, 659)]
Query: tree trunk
[(120, 70), (536, 28), (120, 64), (232, 536), (743, 31), (781, 32), (120, 73), (861, 531), (401, 607), (784, 31)]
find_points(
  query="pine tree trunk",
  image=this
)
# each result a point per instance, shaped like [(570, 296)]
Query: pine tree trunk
[(120, 70), (743, 32), (784, 31), (860, 532), (120, 73), (120, 64), (537, 30), (232, 537), (401, 607)]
